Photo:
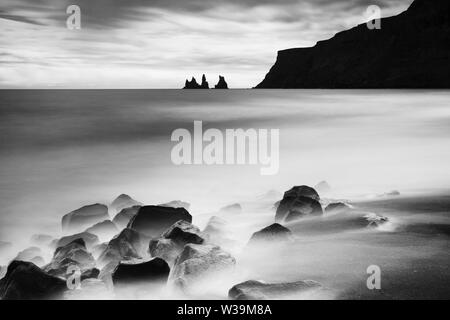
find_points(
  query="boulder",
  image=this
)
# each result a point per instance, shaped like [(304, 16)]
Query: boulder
[(298, 202), (257, 290), (105, 230), (124, 201), (122, 219), (233, 208), (182, 232), (80, 219), (273, 233), (90, 274), (89, 239), (154, 220), (216, 227), (26, 281), (337, 207), (127, 245), (302, 207), (155, 270), (176, 204), (32, 254), (375, 220), (174, 239), (222, 84), (72, 254), (98, 249), (164, 248), (199, 261)]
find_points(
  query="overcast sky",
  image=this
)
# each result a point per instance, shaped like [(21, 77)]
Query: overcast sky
[(158, 43)]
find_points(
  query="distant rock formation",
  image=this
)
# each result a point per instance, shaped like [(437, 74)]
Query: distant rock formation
[(222, 84), (193, 84), (205, 84), (410, 50)]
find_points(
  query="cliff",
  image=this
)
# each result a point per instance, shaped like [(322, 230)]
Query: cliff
[(411, 50)]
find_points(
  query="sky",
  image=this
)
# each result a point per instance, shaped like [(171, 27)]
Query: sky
[(160, 43)]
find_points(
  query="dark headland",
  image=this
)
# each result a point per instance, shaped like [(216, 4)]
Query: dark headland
[(411, 50)]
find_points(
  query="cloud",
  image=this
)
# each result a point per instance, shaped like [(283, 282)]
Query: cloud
[(158, 43)]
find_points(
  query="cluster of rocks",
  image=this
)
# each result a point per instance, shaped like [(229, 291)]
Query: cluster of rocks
[(193, 84), (154, 246)]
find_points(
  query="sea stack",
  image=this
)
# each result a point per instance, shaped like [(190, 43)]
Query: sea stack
[(222, 84), (193, 84), (205, 84)]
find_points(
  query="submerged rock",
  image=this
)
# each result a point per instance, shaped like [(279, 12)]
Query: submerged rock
[(271, 234), (337, 207), (89, 239), (5, 246), (154, 220), (256, 290), (232, 208), (105, 230), (72, 254), (124, 216), (298, 202), (199, 261), (155, 270), (84, 217), (124, 201), (26, 281), (176, 204), (375, 220)]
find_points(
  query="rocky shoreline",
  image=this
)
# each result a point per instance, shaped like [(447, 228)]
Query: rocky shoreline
[(157, 247)]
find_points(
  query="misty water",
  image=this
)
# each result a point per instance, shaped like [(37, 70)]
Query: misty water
[(62, 149)]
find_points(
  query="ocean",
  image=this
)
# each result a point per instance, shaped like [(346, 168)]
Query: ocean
[(62, 149)]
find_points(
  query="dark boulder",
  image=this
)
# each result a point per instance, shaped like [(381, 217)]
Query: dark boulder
[(297, 202), (89, 239), (73, 254), (32, 254), (105, 230), (271, 234), (80, 219), (222, 84), (124, 201), (26, 281), (90, 274), (176, 204), (154, 220), (337, 207), (197, 261), (256, 290), (174, 239), (124, 216), (182, 232), (127, 245), (155, 270)]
